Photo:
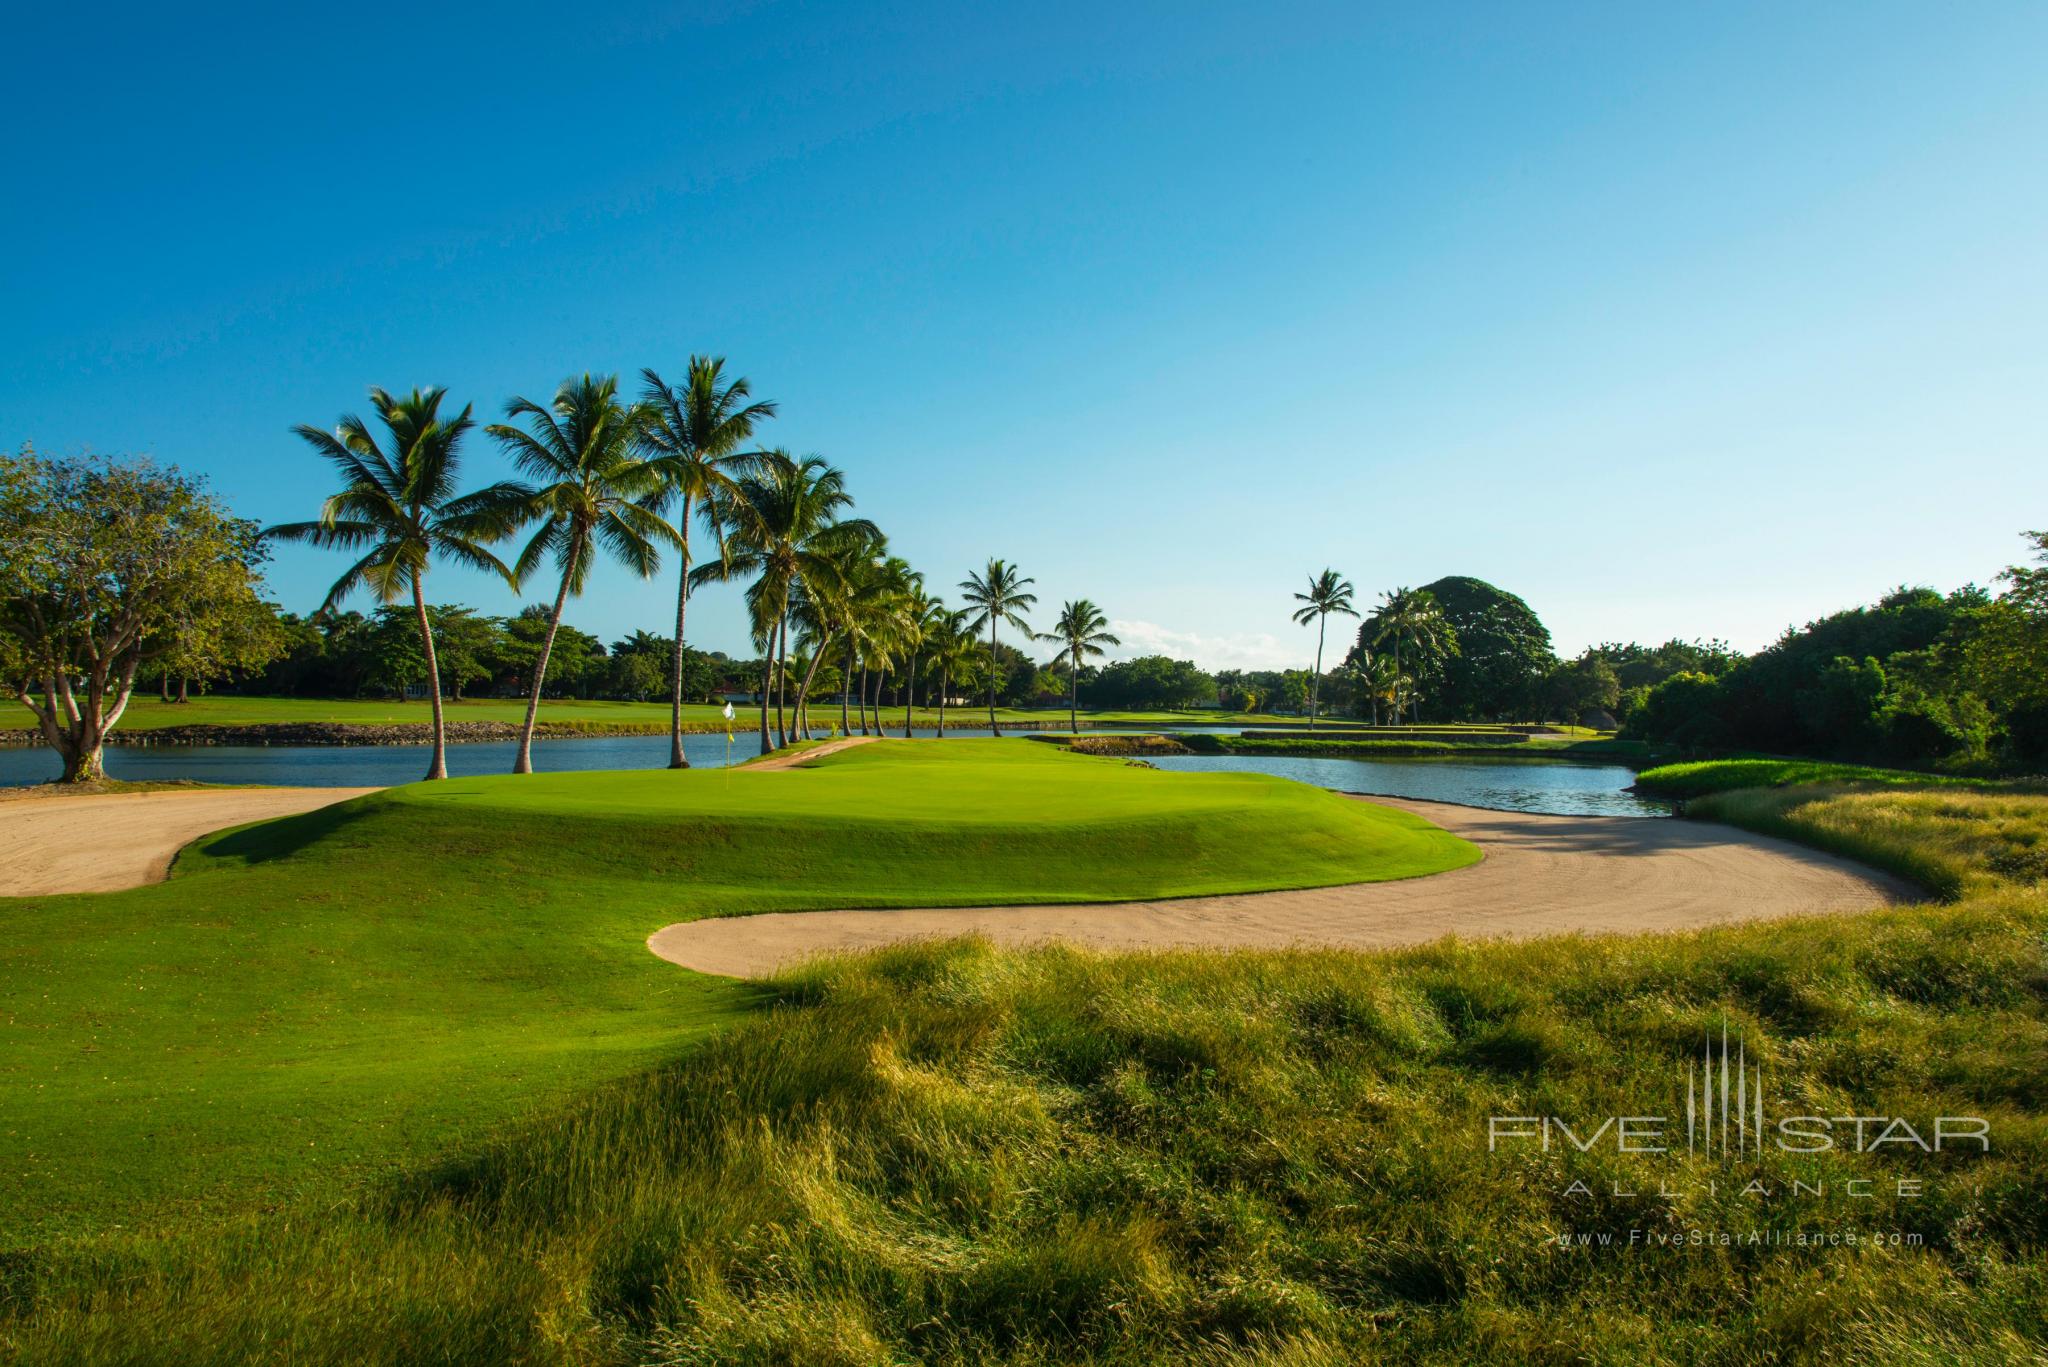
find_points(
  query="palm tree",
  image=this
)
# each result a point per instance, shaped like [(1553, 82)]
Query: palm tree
[(694, 433), (786, 533), (997, 595), (919, 612), (591, 494), (1328, 592), (403, 507), (1079, 632), (1411, 617), (956, 653)]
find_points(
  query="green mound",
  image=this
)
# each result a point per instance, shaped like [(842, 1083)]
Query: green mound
[(402, 974)]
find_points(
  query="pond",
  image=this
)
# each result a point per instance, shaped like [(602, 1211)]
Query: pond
[(1555, 788), (1511, 785), (371, 766)]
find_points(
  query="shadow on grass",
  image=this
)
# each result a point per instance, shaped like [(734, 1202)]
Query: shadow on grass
[(278, 838)]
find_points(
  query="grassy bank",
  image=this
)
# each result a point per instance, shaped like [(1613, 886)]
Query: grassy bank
[(1700, 777), (946, 1154), (396, 976)]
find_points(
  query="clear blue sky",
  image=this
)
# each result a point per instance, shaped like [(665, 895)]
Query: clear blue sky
[(1677, 320)]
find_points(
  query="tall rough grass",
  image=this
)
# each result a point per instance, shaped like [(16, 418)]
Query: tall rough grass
[(949, 1154)]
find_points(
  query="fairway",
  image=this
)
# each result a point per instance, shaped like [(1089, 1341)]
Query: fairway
[(401, 976)]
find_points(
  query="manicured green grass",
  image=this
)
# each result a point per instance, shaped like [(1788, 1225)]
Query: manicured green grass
[(1700, 777), (948, 1154), (401, 974)]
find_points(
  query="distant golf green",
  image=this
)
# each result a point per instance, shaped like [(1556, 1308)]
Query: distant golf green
[(403, 974)]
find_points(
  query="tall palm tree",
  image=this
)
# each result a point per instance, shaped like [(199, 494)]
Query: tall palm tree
[(996, 595), (1079, 632), (403, 507), (785, 532), (591, 494), (956, 652), (1328, 592), (694, 434)]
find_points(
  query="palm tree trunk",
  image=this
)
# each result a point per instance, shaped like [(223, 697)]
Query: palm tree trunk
[(995, 666), (803, 690), (676, 758), (846, 688), (437, 767), (945, 681), (863, 698), (1315, 680), (767, 680), (1074, 694), (909, 695), (781, 677), (522, 763)]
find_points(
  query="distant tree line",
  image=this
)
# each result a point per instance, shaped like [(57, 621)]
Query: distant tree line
[(353, 655), (1922, 678)]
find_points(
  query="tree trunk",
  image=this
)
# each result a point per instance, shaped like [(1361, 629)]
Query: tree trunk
[(781, 677), (767, 678), (945, 681), (523, 762), (909, 695), (862, 698), (437, 766), (995, 669), (846, 688), (803, 690), (164, 684), (1074, 692), (1315, 680), (676, 758), (183, 684)]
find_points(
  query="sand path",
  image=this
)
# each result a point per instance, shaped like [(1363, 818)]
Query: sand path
[(830, 747), (101, 842), (1542, 875)]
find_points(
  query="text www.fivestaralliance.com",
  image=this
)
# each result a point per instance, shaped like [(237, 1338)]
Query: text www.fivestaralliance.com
[(1736, 1238)]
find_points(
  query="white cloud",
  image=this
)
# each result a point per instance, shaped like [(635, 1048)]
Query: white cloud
[(1240, 650)]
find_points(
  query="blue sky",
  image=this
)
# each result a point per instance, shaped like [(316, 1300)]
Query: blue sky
[(1690, 321)]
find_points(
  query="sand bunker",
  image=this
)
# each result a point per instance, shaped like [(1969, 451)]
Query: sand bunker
[(1542, 875), (102, 842)]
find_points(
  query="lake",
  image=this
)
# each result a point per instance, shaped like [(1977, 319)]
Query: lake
[(370, 766), (1558, 789), (1510, 785)]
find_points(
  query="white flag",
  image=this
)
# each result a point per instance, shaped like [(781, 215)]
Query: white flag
[(728, 711)]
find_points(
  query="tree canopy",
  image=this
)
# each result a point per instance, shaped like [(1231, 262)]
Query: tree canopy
[(113, 564)]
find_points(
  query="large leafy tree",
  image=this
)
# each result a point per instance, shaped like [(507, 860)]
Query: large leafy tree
[(1328, 592), (591, 493), (1081, 632), (400, 508), (995, 596), (695, 432), (1502, 657), (110, 565)]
